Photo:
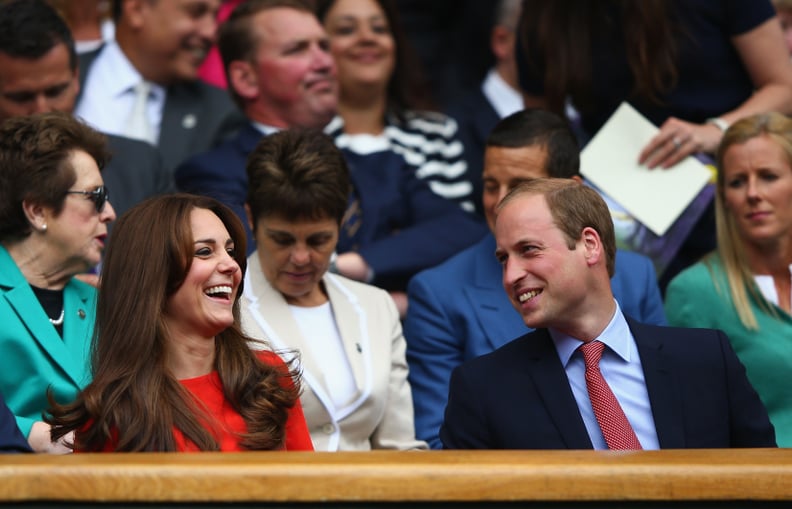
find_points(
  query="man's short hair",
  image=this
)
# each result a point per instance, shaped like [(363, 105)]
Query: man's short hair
[(29, 29), (574, 206), (538, 127), (236, 38)]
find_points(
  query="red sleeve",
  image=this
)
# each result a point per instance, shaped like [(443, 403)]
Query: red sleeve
[(297, 436)]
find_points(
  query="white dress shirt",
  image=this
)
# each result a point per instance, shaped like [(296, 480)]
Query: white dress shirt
[(503, 98), (108, 96)]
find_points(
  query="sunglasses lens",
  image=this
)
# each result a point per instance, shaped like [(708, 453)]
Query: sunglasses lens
[(100, 198)]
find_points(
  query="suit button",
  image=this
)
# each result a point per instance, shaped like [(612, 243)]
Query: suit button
[(328, 429)]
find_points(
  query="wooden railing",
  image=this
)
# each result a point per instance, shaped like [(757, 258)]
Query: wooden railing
[(382, 477)]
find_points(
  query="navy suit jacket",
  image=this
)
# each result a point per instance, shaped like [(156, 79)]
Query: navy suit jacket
[(519, 397), (11, 439), (459, 311), (220, 173), (195, 117), (134, 173), (476, 118), (405, 226)]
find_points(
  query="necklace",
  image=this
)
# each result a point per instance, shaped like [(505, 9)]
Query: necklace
[(58, 321)]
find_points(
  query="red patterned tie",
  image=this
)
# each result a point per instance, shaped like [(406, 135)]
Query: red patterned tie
[(615, 427)]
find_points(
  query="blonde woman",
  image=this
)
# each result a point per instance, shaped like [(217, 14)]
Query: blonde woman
[(745, 287)]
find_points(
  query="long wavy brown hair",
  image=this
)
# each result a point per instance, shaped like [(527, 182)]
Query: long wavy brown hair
[(134, 401), (564, 31)]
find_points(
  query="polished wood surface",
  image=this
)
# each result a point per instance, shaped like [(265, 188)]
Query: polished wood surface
[(748, 474)]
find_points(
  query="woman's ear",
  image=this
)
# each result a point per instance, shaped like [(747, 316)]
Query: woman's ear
[(36, 215)]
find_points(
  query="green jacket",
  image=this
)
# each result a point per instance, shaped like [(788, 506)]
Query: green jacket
[(33, 357), (693, 301)]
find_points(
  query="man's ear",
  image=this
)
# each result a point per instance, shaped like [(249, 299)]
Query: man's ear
[(243, 80), (593, 249), (249, 215), (132, 11)]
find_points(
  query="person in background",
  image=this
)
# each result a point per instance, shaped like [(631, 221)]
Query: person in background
[(784, 12), (588, 376), (348, 333), (395, 224), (38, 74), (172, 370), (144, 84), (745, 287), (495, 97), (211, 70), (458, 309), (381, 106), (90, 22), (691, 68), (451, 40), (273, 87), (54, 211)]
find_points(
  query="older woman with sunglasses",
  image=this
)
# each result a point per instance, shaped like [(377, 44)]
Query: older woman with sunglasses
[(53, 224)]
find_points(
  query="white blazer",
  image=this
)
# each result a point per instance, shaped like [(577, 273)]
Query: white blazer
[(381, 416)]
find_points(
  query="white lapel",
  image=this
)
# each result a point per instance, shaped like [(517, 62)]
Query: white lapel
[(272, 314)]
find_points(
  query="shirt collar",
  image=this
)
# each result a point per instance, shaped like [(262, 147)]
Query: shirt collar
[(616, 336), (116, 71), (265, 129), (504, 99)]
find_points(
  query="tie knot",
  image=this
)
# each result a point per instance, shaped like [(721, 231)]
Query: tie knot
[(142, 88), (592, 352)]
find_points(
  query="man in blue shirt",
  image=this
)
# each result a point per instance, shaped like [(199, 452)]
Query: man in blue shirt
[(458, 310), (653, 387)]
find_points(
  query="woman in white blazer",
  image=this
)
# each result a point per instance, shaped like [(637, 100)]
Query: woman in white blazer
[(347, 334)]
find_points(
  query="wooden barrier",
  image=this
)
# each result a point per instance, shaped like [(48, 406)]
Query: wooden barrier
[(757, 475)]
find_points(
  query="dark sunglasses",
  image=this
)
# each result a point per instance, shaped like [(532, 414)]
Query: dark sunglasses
[(99, 196)]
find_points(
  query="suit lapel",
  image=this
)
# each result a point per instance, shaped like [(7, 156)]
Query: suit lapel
[(350, 318), (553, 388), (661, 386), (247, 139), (179, 118), (272, 313)]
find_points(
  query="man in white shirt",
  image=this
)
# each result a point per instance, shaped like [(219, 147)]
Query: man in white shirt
[(145, 84), (497, 96)]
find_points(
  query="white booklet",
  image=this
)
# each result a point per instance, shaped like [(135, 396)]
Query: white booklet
[(655, 198)]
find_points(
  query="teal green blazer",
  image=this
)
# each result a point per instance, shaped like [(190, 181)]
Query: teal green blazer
[(33, 357)]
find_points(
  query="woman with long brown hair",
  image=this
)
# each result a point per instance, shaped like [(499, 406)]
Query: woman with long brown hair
[(171, 369)]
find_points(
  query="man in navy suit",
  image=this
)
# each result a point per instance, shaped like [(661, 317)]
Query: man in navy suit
[(458, 310), (678, 388), (275, 89), (282, 75)]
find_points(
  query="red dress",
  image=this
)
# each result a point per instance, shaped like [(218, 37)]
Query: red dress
[(208, 390)]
